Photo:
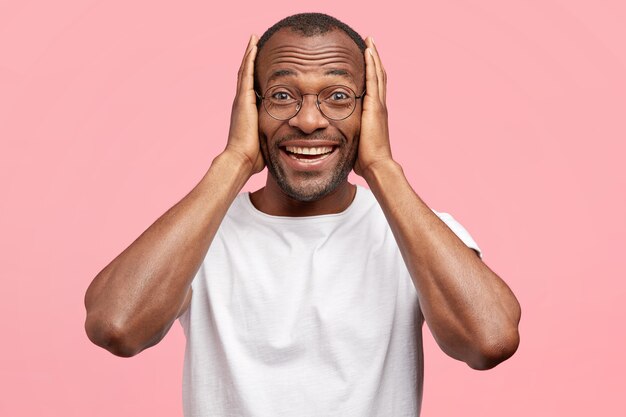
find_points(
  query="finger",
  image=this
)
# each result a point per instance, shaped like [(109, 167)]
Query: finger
[(379, 62), (247, 79), (371, 78), (251, 43), (380, 72), (246, 54)]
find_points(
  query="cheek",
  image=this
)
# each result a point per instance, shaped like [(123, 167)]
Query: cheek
[(267, 125), (352, 129), (357, 125)]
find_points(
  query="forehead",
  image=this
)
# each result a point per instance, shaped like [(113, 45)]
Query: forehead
[(291, 58)]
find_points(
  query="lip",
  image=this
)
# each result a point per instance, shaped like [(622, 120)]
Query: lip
[(309, 143), (309, 165)]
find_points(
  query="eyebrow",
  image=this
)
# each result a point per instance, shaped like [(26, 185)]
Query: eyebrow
[(281, 73)]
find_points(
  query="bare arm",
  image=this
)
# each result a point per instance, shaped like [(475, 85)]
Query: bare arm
[(133, 301), (471, 312)]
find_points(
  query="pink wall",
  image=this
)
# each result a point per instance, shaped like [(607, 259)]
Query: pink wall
[(509, 115)]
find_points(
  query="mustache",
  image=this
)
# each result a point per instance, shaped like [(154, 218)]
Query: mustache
[(338, 139)]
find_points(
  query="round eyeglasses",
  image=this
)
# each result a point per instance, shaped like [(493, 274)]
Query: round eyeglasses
[(336, 102)]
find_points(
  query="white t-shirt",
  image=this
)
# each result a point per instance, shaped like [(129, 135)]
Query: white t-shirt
[(305, 316)]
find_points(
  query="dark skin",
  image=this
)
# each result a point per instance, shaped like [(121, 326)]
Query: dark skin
[(471, 312)]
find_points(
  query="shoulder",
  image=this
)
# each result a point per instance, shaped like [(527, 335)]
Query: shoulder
[(459, 230)]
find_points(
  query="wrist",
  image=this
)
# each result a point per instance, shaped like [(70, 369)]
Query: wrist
[(237, 161), (380, 170), (231, 169)]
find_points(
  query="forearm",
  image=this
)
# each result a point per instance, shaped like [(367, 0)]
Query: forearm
[(135, 299), (471, 312)]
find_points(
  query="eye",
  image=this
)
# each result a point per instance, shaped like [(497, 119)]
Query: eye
[(336, 95), (339, 95), (281, 96)]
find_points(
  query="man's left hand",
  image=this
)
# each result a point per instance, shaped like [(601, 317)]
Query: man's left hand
[(374, 144)]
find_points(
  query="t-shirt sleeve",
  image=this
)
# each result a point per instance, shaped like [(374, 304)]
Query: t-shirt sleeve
[(460, 231)]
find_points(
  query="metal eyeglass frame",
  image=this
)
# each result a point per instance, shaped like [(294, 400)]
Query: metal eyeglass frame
[(301, 101)]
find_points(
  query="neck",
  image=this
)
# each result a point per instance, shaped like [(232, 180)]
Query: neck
[(273, 201)]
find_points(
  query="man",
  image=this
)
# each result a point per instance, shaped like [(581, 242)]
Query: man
[(306, 297)]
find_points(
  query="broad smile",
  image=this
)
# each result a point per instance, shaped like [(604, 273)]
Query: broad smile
[(301, 157), (310, 154)]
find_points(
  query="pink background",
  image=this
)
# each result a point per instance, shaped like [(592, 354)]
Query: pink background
[(509, 115)]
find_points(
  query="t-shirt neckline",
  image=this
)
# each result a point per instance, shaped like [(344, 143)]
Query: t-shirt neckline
[(247, 203)]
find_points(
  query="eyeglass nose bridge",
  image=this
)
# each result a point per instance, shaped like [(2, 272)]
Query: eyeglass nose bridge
[(300, 104)]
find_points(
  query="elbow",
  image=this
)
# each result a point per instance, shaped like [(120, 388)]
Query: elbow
[(500, 342), (111, 336), (495, 351)]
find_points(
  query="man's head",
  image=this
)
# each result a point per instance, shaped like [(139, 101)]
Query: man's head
[(309, 155)]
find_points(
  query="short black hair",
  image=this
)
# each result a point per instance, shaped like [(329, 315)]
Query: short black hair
[(308, 25), (311, 24)]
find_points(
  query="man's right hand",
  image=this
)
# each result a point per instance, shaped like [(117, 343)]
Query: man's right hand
[(243, 136)]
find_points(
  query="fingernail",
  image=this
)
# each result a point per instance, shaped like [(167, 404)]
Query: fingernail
[(372, 38)]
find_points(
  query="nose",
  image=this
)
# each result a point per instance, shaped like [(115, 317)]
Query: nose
[(309, 118)]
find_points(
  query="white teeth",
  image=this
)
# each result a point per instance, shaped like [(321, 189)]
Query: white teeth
[(309, 151)]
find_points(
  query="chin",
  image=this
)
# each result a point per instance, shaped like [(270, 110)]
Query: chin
[(311, 190)]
